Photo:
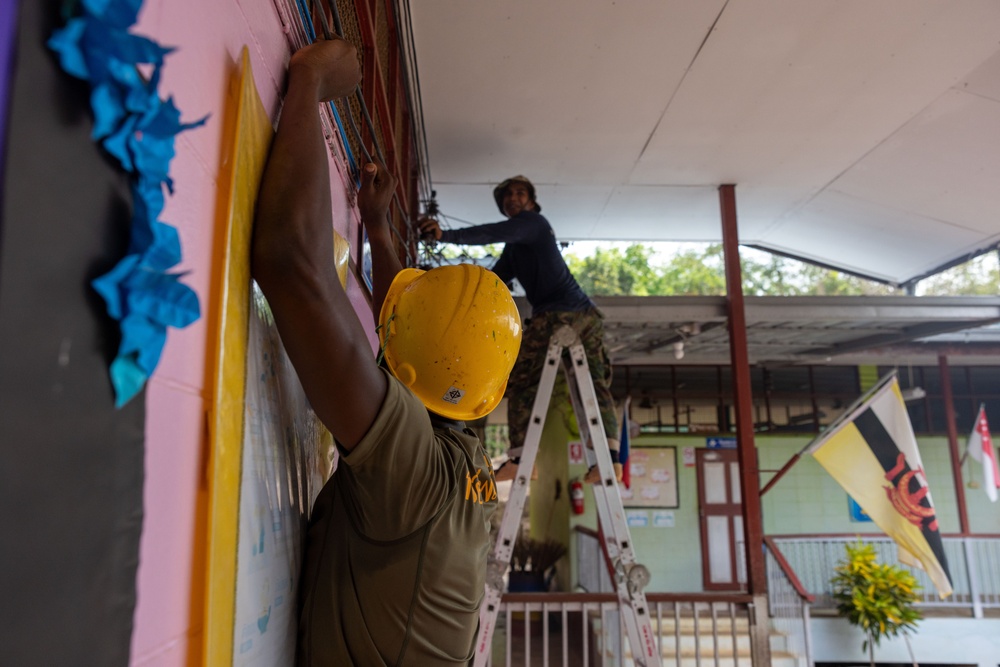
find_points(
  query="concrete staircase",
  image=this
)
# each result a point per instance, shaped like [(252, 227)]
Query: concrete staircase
[(697, 645)]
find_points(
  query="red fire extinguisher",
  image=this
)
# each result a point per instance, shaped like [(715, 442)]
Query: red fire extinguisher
[(576, 495)]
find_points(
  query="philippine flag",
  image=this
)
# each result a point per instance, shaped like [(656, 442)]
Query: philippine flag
[(624, 446)]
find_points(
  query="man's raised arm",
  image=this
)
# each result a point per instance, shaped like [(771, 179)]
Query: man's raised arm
[(292, 254), (377, 186)]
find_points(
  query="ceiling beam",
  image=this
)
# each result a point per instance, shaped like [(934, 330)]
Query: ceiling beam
[(822, 265), (958, 261), (906, 335)]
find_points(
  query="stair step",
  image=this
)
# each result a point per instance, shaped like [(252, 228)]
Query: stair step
[(704, 644), (688, 625), (777, 660)]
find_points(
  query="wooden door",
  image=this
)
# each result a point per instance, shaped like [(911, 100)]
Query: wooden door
[(723, 555)]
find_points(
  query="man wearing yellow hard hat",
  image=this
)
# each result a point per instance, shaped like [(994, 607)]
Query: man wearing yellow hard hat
[(532, 255), (395, 556)]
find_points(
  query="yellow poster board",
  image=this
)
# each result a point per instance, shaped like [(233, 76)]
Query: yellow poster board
[(269, 454)]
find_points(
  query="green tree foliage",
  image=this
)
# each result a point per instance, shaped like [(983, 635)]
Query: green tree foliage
[(448, 252), (876, 597), (613, 272), (497, 440), (637, 271), (695, 273), (979, 276)]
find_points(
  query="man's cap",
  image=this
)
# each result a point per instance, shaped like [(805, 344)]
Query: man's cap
[(500, 190)]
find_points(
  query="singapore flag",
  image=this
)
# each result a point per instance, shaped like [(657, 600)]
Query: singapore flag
[(981, 449)]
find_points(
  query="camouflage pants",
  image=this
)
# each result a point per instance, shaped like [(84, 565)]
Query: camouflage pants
[(523, 383)]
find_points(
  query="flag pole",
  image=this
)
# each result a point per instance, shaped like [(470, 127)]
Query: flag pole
[(785, 468), (956, 468), (849, 414)]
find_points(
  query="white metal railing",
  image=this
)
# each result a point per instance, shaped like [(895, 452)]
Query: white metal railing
[(549, 632), (973, 562), (579, 629), (698, 629), (789, 609)]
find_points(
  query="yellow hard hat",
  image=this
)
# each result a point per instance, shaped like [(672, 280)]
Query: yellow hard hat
[(451, 335)]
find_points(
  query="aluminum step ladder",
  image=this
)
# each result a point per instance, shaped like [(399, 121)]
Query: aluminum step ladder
[(629, 577)]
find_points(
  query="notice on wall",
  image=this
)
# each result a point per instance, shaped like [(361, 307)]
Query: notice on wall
[(663, 518), (653, 472), (856, 512), (637, 518), (689, 457)]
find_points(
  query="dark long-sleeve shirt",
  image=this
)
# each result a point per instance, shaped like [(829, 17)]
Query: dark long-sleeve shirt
[(531, 255)]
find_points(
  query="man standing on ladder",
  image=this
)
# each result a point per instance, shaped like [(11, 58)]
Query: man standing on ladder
[(532, 255)]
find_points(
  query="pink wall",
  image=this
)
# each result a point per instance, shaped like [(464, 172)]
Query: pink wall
[(209, 36)]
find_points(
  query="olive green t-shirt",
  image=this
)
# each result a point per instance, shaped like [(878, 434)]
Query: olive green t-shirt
[(395, 557)]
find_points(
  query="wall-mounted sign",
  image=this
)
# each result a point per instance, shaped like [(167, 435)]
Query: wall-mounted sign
[(720, 443), (688, 457), (637, 518), (858, 515), (663, 518)]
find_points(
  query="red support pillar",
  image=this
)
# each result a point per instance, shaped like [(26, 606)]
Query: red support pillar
[(749, 475), (956, 464)]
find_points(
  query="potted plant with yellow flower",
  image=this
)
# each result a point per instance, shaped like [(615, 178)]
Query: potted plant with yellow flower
[(878, 598)]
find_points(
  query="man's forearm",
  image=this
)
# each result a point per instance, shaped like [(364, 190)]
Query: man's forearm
[(293, 206), (374, 200), (506, 231), (385, 262)]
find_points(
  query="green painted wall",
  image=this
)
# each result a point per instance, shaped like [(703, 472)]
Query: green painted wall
[(548, 504), (805, 501), (673, 555), (808, 500)]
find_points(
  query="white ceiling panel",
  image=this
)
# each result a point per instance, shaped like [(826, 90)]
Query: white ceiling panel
[(852, 129), (938, 165), (985, 80), (793, 93), (858, 236), (554, 84), (647, 213)]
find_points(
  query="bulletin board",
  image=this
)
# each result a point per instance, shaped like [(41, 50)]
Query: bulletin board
[(653, 472), (269, 454)]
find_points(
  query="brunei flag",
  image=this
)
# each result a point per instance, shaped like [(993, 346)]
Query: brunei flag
[(871, 452)]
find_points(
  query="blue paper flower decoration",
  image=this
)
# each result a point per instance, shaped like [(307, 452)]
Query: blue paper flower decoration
[(138, 128)]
